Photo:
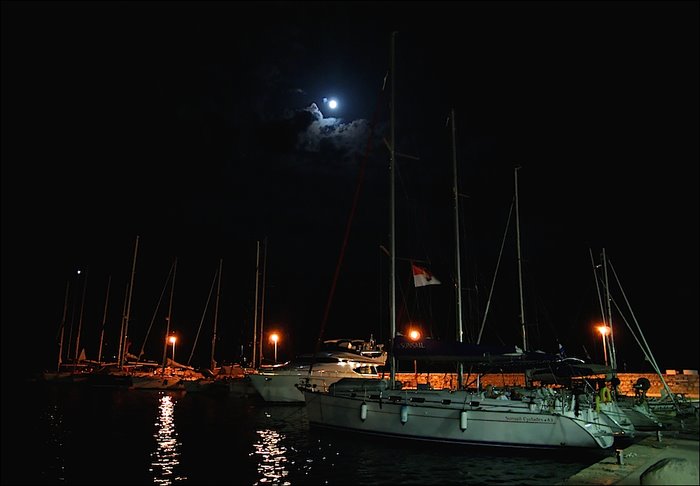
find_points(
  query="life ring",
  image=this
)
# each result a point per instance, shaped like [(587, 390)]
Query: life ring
[(605, 395)]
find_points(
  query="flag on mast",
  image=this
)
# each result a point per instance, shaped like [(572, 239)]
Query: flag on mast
[(422, 277)]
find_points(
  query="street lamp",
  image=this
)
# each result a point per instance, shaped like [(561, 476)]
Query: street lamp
[(172, 340), (604, 330), (274, 338), (414, 335)]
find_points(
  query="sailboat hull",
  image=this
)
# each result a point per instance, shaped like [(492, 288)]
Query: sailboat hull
[(457, 417)]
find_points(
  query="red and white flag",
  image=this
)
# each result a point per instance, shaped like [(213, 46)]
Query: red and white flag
[(422, 277)]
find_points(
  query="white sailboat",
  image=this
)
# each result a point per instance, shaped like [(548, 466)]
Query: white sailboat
[(170, 375), (541, 418)]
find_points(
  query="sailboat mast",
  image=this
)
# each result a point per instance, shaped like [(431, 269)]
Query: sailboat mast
[(216, 316), (597, 288), (121, 327), (520, 264), (63, 327), (458, 271), (104, 321), (167, 319), (125, 324), (80, 321), (645, 348), (392, 216), (613, 359), (255, 311), (262, 298)]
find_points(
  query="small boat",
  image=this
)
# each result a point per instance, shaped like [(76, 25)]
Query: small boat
[(228, 380), (110, 376), (156, 381), (639, 413), (70, 372), (170, 377)]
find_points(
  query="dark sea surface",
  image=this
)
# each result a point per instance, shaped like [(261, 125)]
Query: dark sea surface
[(74, 434)]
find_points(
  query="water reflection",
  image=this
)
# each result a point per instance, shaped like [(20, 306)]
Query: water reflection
[(165, 457), (272, 465), (55, 442)]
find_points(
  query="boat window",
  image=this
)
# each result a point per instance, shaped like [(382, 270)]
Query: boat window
[(366, 370)]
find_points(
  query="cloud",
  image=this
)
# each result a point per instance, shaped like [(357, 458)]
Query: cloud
[(332, 134)]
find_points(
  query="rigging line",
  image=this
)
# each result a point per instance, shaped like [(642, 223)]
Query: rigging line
[(645, 348), (153, 318), (62, 324), (206, 306), (495, 273), (540, 310), (346, 236)]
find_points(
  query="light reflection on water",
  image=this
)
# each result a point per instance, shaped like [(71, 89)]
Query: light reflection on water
[(165, 458), (272, 465), (56, 440)]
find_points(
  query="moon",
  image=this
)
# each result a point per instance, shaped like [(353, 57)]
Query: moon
[(332, 104)]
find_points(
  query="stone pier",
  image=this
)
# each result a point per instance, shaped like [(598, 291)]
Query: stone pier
[(684, 381)]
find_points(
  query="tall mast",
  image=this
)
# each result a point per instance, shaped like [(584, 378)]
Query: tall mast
[(613, 358), (520, 264), (216, 316), (255, 312), (63, 327), (125, 324), (104, 321), (262, 297), (80, 321), (170, 315), (392, 216), (458, 282), (121, 327)]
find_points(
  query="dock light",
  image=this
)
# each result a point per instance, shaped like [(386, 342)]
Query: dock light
[(414, 335), (172, 340), (604, 331), (274, 338)]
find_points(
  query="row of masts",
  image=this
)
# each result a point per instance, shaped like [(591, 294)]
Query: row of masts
[(122, 351)]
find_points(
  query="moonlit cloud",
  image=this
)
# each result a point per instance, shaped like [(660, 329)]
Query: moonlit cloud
[(349, 138)]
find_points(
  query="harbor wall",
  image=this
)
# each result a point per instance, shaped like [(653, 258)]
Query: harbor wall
[(685, 381)]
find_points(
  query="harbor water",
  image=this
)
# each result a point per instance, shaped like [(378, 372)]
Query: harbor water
[(74, 434)]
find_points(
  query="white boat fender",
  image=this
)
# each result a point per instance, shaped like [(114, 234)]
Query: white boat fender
[(363, 411), (404, 414), (463, 420)]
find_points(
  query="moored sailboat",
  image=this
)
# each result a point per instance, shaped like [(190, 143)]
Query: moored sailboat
[(540, 418)]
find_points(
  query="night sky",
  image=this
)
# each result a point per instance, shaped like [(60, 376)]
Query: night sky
[(202, 128)]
